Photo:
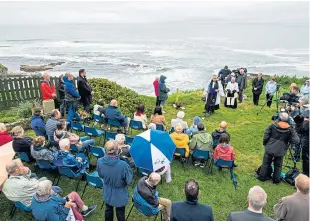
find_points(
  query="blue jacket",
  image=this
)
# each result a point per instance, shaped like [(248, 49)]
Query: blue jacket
[(38, 125), (163, 90), (71, 93), (66, 159), (116, 175), (50, 209), (305, 91), (113, 113)]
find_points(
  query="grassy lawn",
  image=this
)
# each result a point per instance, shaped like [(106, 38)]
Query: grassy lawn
[(246, 129)]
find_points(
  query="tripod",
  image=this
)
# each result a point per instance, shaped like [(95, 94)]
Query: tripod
[(270, 98), (292, 157)]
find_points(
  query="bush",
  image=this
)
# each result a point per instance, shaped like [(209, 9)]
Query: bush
[(24, 109), (128, 100)]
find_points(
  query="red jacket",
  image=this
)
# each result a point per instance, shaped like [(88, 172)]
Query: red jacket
[(47, 90), (5, 138), (156, 87), (224, 153)]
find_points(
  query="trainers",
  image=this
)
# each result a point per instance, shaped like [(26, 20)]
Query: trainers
[(89, 210), (202, 165), (196, 164)]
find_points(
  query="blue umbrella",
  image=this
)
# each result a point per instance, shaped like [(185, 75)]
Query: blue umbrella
[(152, 149)]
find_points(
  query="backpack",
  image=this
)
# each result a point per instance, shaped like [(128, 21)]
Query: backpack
[(291, 175)]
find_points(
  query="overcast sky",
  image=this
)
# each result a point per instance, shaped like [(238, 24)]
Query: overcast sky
[(21, 13)]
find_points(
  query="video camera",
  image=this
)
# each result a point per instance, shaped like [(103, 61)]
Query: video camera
[(237, 71), (292, 99)]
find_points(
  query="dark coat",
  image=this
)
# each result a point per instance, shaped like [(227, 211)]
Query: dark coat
[(60, 89), (22, 145), (224, 73), (247, 215), (37, 124), (277, 138), (147, 192), (84, 90), (241, 80), (71, 94), (305, 135), (116, 175), (113, 113), (259, 84), (191, 211), (163, 90)]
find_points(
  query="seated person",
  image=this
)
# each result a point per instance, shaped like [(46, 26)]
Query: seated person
[(158, 118), (39, 150), (201, 141), (61, 133), (37, 123), (21, 184), (223, 150), (63, 157), (193, 129), (146, 189), (291, 97), (113, 113), (217, 133), (99, 108), (123, 149), (21, 143), (51, 124), (179, 120), (180, 139), (50, 207), (152, 126), (140, 116), (4, 135)]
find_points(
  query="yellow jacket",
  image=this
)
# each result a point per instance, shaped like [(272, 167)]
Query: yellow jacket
[(181, 141)]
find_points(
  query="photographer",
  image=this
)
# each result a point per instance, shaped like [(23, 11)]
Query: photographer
[(291, 97), (297, 111), (223, 74), (276, 140)]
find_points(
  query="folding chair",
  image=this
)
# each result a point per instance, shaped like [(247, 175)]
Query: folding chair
[(109, 136), (171, 130), (98, 119), (20, 206), (114, 123), (93, 132), (201, 155), (226, 164), (129, 140), (160, 127), (46, 165), (24, 157), (76, 149), (180, 152), (136, 125), (77, 126), (67, 172), (96, 151)]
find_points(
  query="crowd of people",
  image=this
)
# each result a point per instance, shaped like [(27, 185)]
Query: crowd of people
[(54, 141)]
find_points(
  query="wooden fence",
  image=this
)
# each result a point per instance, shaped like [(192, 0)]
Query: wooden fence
[(19, 89)]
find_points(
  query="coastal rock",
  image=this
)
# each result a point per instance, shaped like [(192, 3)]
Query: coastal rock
[(35, 68), (3, 71)]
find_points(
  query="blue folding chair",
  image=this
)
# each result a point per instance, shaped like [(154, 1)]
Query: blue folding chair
[(20, 206), (96, 151), (93, 180), (93, 132), (46, 165), (99, 119), (67, 172), (76, 149), (77, 126), (114, 123), (171, 130), (201, 155), (136, 125), (24, 157), (109, 136), (160, 127), (226, 164), (129, 140), (180, 152)]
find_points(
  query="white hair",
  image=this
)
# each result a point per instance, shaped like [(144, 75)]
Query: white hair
[(152, 126), (181, 114), (44, 188), (63, 143), (120, 138), (284, 117), (2, 127), (257, 197)]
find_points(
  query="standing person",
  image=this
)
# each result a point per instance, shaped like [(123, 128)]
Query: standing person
[(223, 74), (232, 90), (257, 199), (271, 88), (163, 91), (85, 90), (257, 88), (241, 80), (71, 95), (296, 206), (213, 93), (61, 93), (191, 209), (305, 89), (116, 175), (277, 138), (48, 89), (305, 143), (156, 90)]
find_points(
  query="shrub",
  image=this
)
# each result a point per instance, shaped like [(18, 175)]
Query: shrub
[(24, 109)]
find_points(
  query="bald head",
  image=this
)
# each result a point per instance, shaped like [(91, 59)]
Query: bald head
[(46, 76), (302, 183), (111, 147), (223, 125), (241, 71), (154, 179), (113, 103), (257, 198)]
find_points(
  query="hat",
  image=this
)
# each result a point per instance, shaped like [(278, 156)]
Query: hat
[(197, 120), (306, 113), (180, 114)]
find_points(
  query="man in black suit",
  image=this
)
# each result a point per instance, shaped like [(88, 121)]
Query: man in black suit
[(257, 199), (85, 90), (191, 209)]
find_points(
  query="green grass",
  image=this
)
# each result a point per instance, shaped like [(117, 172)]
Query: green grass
[(246, 129)]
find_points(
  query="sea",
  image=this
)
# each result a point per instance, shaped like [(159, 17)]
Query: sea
[(187, 53)]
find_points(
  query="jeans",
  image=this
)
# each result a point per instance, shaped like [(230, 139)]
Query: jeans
[(269, 99), (256, 98), (305, 160), (72, 110), (266, 168), (109, 213)]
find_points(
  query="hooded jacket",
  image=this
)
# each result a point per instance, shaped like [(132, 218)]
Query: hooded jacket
[(49, 209), (71, 93), (277, 138), (60, 89), (47, 90), (202, 141), (116, 175), (38, 125), (84, 90), (216, 136), (163, 90), (181, 141), (156, 87), (224, 152), (66, 159), (42, 153), (113, 113), (5, 137)]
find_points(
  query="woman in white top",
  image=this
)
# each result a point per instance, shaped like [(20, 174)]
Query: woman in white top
[(140, 116), (179, 120)]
